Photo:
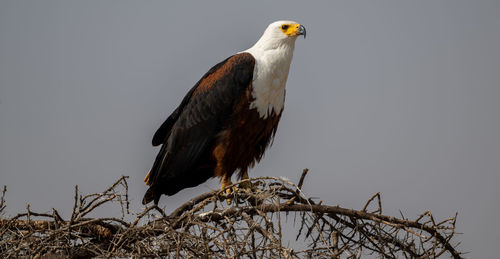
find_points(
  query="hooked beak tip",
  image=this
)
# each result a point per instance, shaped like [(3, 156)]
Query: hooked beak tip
[(302, 30)]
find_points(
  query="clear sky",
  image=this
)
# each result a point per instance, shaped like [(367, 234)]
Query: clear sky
[(397, 97)]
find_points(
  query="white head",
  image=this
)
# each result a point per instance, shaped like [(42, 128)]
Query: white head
[(280, 33), (273, 54)]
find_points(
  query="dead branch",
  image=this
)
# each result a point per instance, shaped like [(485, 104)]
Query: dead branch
[(258, 224)]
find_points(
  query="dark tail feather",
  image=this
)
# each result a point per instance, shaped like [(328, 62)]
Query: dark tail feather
[(149, 197)]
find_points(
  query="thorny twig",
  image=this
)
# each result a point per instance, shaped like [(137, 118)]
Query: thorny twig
[(206, 227)]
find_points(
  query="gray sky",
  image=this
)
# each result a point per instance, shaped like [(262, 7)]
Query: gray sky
[(396, 97)]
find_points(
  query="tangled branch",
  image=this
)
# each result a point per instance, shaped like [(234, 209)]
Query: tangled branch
[(272, 219)]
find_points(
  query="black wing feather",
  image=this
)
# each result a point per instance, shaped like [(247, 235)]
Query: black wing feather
[(163, 132), (193, 126)]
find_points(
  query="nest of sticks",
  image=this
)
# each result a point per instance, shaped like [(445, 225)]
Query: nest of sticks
[(272, 220)]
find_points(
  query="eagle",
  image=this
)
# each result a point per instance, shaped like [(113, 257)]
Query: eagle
[(228, 119)]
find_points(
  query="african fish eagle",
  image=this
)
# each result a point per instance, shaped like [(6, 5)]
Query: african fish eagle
[(227, 120)]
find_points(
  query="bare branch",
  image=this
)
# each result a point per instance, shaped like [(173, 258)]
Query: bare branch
[(207, 227)]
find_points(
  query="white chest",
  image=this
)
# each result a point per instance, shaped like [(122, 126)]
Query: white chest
[(269, 80)]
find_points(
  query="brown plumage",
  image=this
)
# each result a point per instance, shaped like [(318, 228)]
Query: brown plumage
[(244, 138)]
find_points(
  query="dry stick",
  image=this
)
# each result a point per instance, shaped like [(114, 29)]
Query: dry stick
[(301, 181), (190, 204), (90, 206), (265, 233), (299, 187), (126, 195), (376, 195), (2, 199), (73, 213), (28, 215), (131, 228), (94, 205)]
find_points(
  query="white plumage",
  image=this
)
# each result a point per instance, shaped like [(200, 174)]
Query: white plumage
[(273, 54)]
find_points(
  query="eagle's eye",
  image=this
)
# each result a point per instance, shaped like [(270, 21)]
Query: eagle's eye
[(284, 27)]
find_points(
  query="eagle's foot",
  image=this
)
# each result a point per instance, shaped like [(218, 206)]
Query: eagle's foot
[(248, 185), (226, 181), (228, 192)]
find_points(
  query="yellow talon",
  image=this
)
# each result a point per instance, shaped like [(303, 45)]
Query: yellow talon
[(247, 184), (226, 181)]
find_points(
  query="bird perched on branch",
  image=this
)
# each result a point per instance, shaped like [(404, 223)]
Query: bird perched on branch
[(227, 120)]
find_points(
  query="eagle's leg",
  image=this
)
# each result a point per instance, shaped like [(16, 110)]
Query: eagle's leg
[(226, 181), (247, 184)]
